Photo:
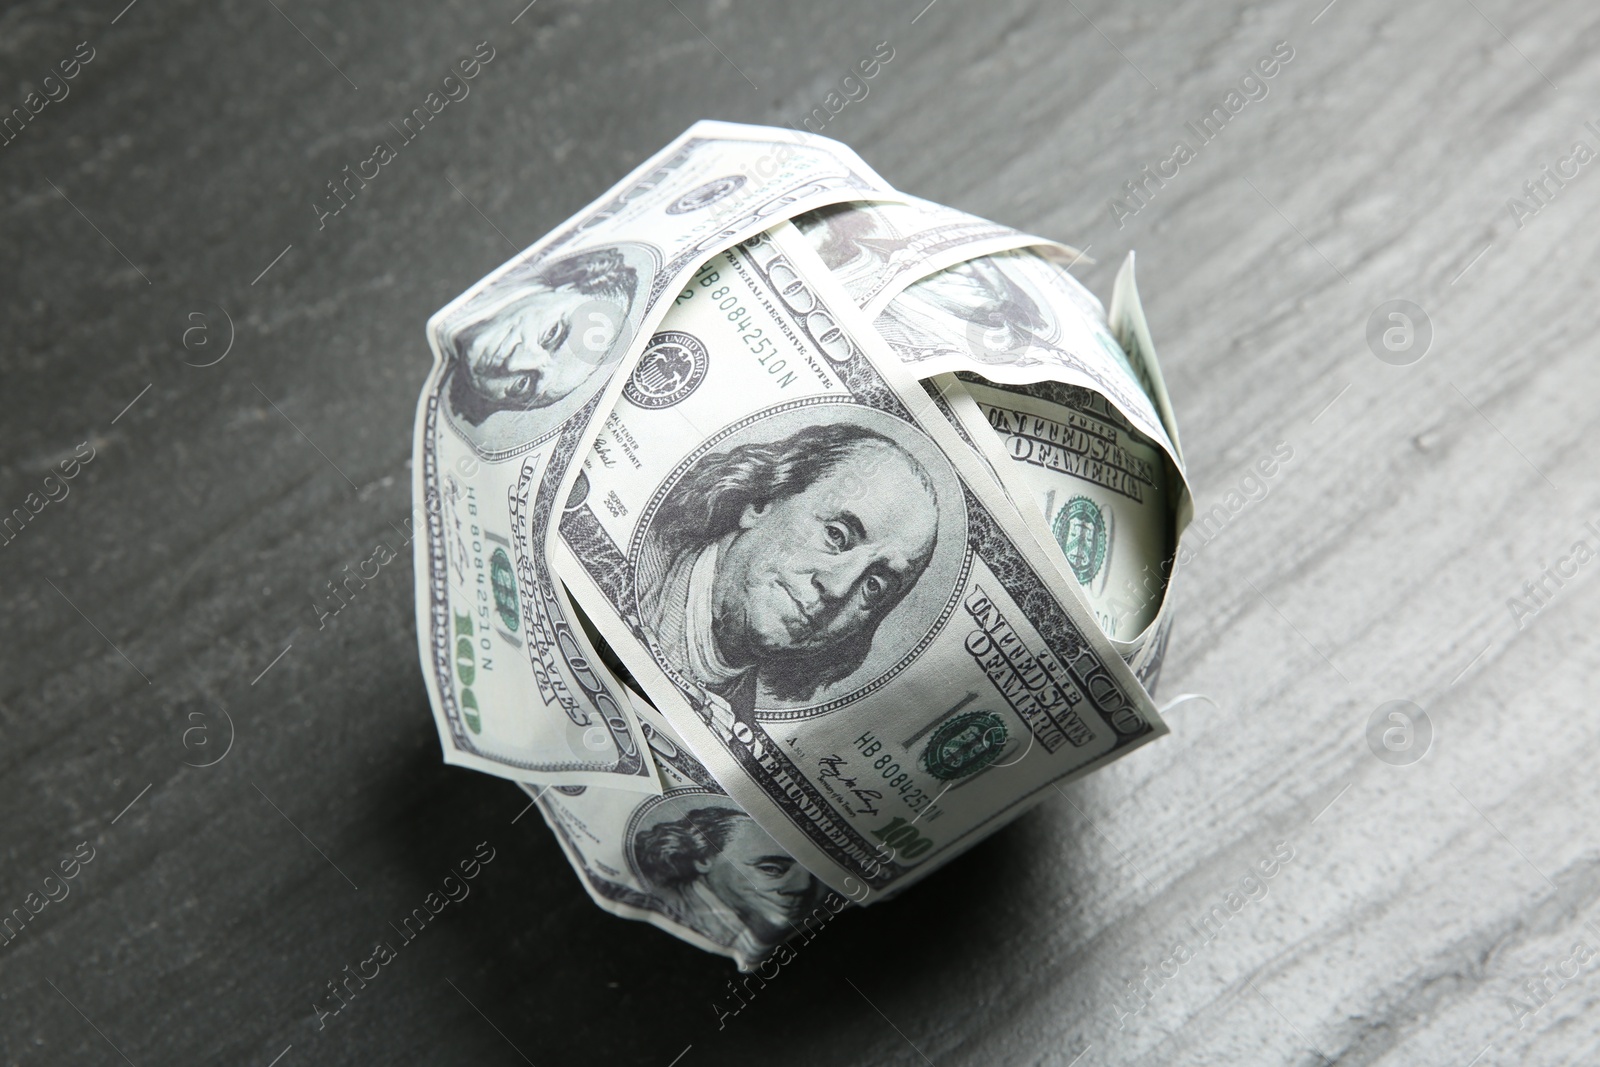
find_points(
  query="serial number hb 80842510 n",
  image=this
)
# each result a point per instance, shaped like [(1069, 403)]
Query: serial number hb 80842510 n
[(760, 346)]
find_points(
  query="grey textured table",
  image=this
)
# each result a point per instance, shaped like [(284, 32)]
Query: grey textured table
[(1429, 910)]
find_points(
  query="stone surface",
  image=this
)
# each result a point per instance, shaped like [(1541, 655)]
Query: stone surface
[(178, 576)]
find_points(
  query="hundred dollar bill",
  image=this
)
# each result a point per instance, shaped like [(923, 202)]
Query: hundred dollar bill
[(1100, 485), (1009, 318), (876, 250), (823, 590), (1104, 492), (689, 861), (522, 362), (1127, 323)]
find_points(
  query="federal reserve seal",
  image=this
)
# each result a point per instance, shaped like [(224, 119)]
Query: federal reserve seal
[(705, 195), (505, 588), (964, 745), (670, 368), (1080, 530)]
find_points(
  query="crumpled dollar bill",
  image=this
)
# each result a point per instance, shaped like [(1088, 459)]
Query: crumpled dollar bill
[(787, 535)]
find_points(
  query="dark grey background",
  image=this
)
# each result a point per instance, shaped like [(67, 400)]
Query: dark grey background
[(1375, 565)]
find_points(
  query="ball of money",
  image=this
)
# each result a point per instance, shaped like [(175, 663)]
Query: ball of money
[(787, 535)]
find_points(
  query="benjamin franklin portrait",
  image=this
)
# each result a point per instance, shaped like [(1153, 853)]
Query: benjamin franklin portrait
[(1011, 308), (1005, 319), (771, 564), (531, 347), (851, 239), (715, 871)]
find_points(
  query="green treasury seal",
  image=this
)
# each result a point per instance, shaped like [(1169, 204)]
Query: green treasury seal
[(964, 745), (505, 588), (1080, 530)]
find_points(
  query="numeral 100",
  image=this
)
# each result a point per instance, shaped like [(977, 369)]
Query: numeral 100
[(903, 838)]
